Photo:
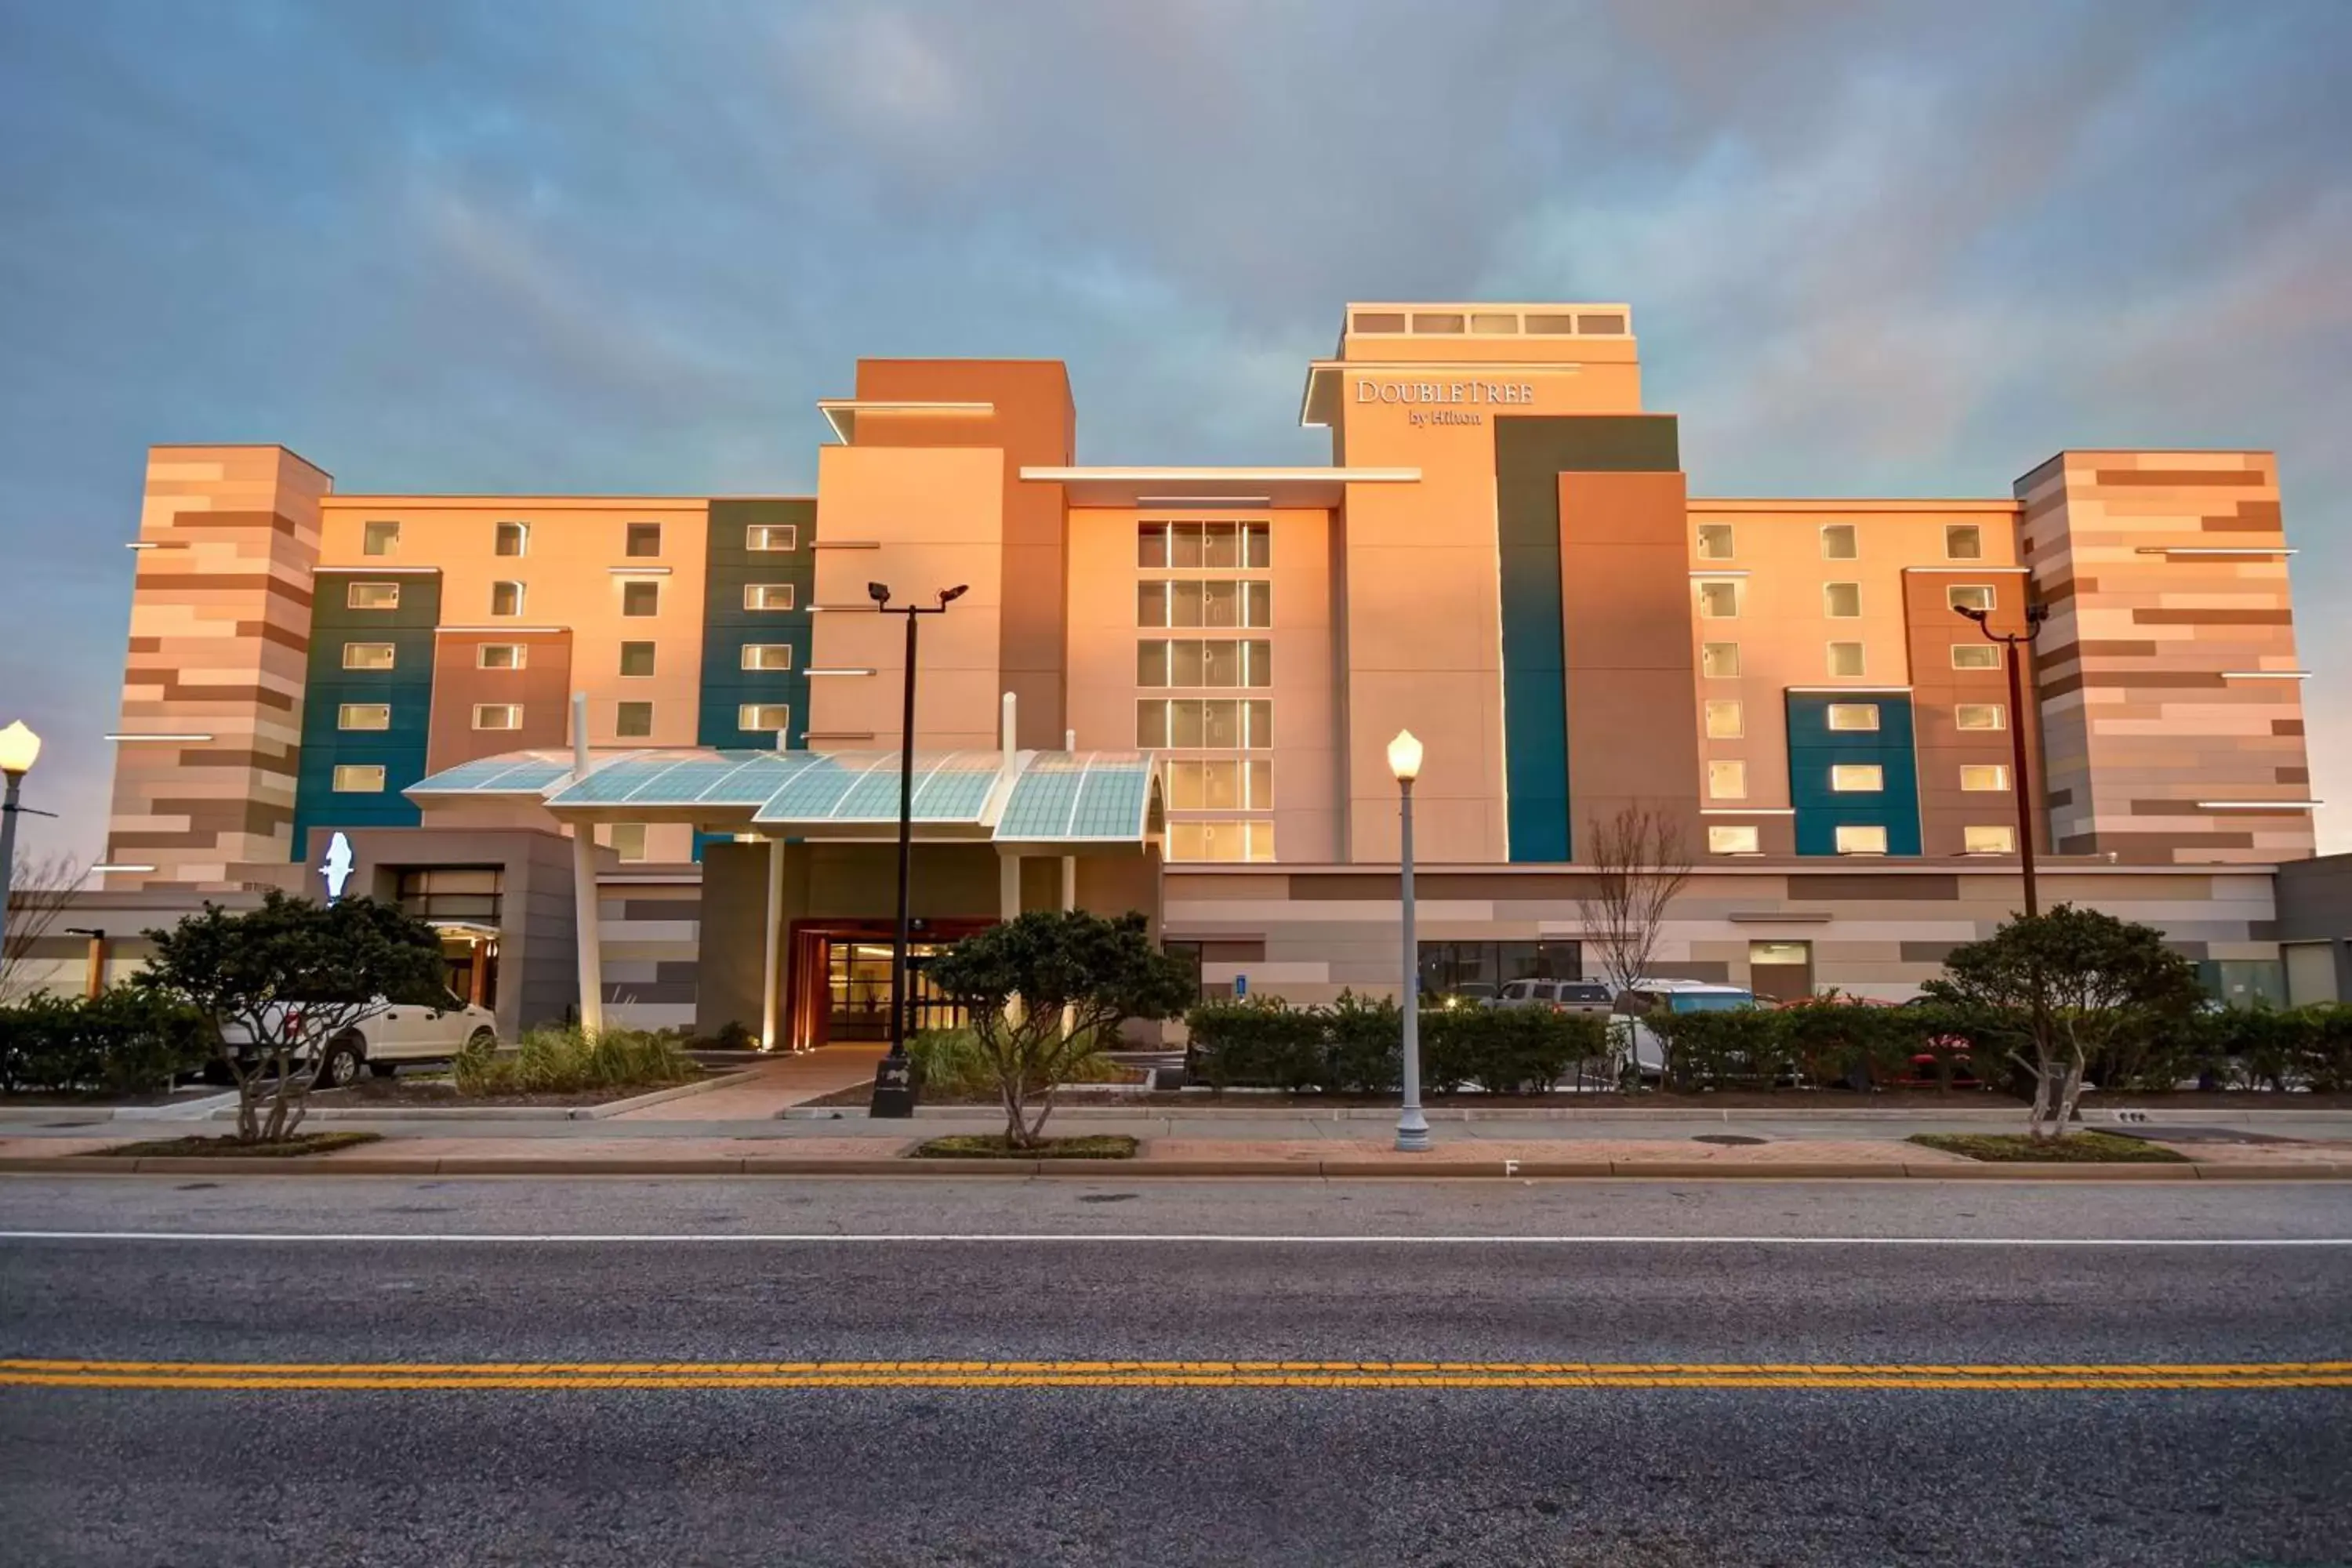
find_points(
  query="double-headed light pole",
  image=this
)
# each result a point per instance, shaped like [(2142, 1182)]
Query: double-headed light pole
[(1413, 1126), (2011, 644), (894, 1080)]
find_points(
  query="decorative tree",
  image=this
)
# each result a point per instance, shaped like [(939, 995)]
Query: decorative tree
[(1641, 863), (1018, 980), (279, 984), (2064, 985)]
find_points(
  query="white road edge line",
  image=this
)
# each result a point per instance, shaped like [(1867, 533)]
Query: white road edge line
[(1177, 1239)]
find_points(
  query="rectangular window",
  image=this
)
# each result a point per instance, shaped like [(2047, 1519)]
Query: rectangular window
[(633, 720), (1976, 656), (1258, 663), (767, 655), (1221, 723), (636, 659), (1260, 716), (359, 778), (1979, 716), (1261, 784), (1970, 595), (1221, 546), (1714, 542), (628, 840), (1203, 786), (1186, 664), (1220, 604), (1724, 719), (1963, 542), (1845, 658), (1984, 775), (643, 539), (1257, 606), (1151, 603), (1719, 660), (497, 716), (1853, 715), (501, 656), (1988, 840), (1151, 545), (1719, 599), (1261, 840), (363, 716), (1857, 778), (1726, 781), (1838, 542), (510, 539), (1734, 840), (368, 654), (1841, 601), (1151, 726), (640, 599), (1184, 603), (506, 598), (379, 539), (758, 717), (766, 596), (1861, 840), (767, 538), (371, 596), (1184, 546), (1257, 547)]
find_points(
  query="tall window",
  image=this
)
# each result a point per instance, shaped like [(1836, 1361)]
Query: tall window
[(501, 656), (1970, 595), (1186, 661), (1963, 542), (1719, 660), (506, 598), (371, 596), (1211, 546), (1838, 542), (637, 659), (1215, 786), (640, 598), (1845, 658), (510, 539), (1221, 841), (643, 539), (1733, 838), (1976, 656), (1714, 542), (1726, 780), (1719, 599), (1215, 725), (766, 596), (1841, 601), (379, 539), (359, 778), (633, 720), (369, 655), (762, 538), (363, 716), (1724, 720), (767, 655), (1207, 602), (1861, 839)]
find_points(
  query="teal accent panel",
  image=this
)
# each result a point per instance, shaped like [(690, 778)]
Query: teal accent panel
[(406, 688), (1814, 748), (1531, 451), (727, 626)]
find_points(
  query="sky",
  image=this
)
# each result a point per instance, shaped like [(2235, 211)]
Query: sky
[(528, 246)]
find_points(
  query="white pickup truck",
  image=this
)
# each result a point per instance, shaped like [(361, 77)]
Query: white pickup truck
[(392, 1033)]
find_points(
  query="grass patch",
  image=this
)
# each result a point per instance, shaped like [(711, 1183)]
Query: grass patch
[(572, 1060), (2017, 1147), (956, 1068), (224, 1145), (995, 1146)]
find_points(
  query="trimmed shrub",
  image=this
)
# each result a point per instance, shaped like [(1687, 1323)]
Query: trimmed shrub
[(1262, 1042), (1363, 1045), (953, 1062), (569, 1061), (125, 1040), (1356, 1045)]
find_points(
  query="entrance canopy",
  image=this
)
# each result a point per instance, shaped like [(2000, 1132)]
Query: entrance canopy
[(1053, 801)]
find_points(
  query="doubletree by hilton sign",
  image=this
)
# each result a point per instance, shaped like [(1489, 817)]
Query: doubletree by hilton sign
[(1454, 394)]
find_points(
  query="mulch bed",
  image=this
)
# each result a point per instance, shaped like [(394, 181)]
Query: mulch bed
[(2004, 1148), (994, 1146), (409, 1091), (285, 1148), (1799, 1101)]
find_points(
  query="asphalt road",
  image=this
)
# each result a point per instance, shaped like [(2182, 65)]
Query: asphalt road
[(302, 1282)]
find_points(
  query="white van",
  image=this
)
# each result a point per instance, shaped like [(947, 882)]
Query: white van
[(1634, 1036)]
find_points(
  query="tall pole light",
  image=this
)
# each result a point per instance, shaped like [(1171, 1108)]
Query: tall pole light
[(894, 1079), (1413, 1126), (19, 750), (2010, 643)]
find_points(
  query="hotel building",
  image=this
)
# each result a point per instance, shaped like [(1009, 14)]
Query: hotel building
[(1173, 687)]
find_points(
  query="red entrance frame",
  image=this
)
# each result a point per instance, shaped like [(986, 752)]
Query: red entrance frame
[(807, 1014)]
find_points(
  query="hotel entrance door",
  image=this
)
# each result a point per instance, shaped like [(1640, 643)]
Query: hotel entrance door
[(857, 985)]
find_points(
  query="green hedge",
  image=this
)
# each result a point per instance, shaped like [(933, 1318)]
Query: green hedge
[(123, 1041), (1356, 1045)]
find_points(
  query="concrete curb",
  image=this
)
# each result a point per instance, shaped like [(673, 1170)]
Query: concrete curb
[(610, 1108), (1159, 1169), (1795, 1110)]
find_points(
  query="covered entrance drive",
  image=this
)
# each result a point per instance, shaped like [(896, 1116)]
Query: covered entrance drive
[(798, 896)]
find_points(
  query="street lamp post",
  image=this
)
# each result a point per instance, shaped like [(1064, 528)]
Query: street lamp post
[(1413, 1126), (2010, 643), (895, 1088), (19, 749)]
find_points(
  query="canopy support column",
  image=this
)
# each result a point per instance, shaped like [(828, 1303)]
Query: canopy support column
[(771, 955)]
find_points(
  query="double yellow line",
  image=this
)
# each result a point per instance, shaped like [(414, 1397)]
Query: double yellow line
[(1029, 1374)]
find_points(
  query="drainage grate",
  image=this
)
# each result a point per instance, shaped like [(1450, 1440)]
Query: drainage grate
[(1727, 1138)]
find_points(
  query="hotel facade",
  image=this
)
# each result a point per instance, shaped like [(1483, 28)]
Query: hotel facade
[(1171, 689)]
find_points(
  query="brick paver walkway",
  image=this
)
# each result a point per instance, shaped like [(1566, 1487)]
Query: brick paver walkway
[(787, 1081)]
